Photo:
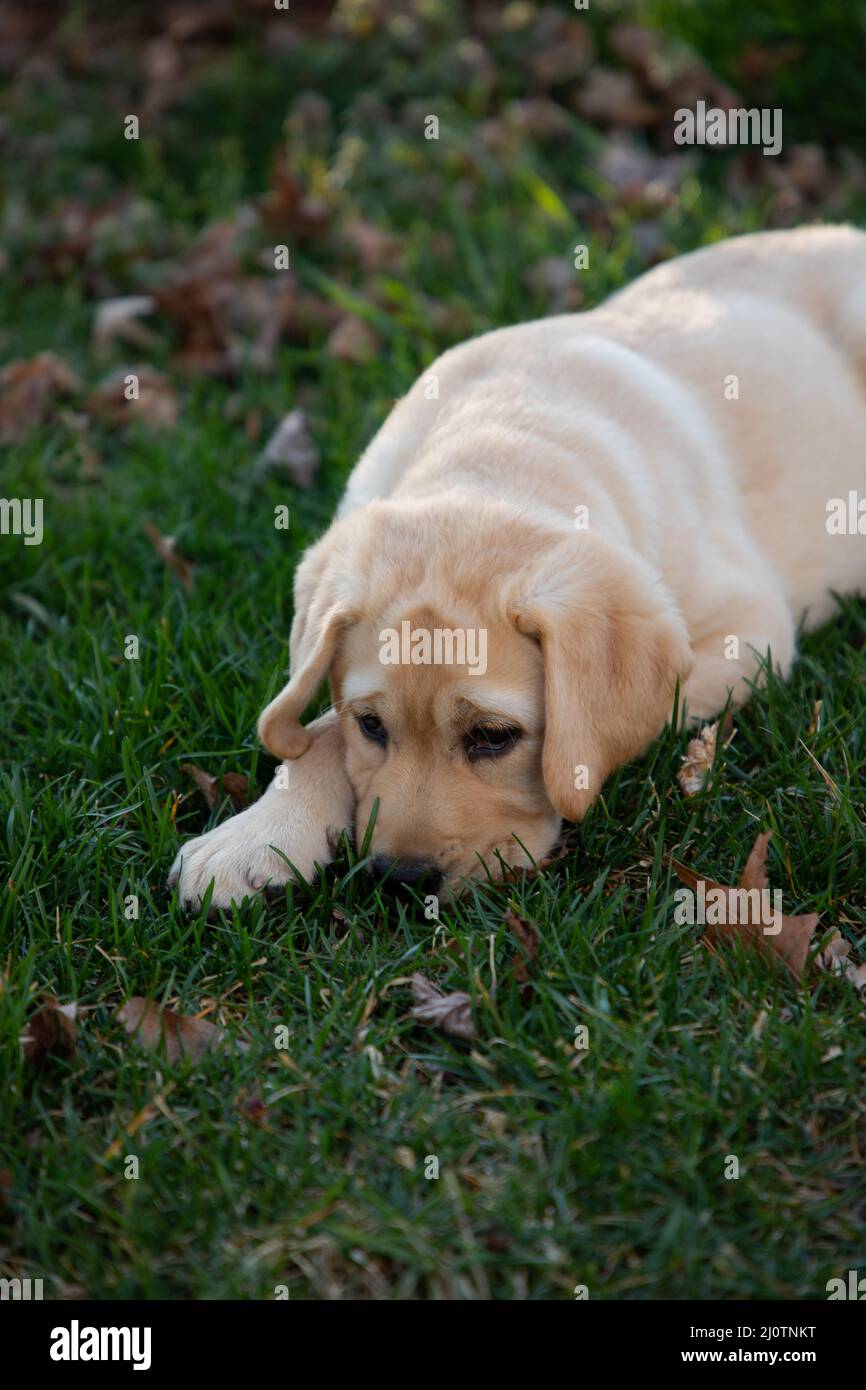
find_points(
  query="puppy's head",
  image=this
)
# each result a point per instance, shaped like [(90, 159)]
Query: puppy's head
[(489, 674)]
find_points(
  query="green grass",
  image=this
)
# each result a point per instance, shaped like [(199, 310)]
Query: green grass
[(557, 1167)]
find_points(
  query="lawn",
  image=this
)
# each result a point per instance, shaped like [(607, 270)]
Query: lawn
[(307, 1166)]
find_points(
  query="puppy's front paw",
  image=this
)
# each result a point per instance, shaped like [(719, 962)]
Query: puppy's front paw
[(237, 859), (296, 823), (255, 850)]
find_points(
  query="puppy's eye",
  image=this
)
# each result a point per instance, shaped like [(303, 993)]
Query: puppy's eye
[(487, 741), (372, 728)]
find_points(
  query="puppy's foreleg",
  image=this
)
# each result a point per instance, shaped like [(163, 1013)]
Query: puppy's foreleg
[(299, 819), (729, 661)]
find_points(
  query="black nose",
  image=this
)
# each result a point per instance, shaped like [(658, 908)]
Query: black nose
[(406, 873)]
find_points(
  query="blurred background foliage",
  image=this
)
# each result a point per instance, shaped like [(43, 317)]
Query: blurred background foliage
[(307, 127)]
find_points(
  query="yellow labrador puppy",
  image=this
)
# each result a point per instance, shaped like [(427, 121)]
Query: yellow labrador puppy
[(557, 524)]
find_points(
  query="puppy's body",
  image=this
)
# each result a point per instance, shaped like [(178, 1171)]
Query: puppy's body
[(612, 497), (624, 409)]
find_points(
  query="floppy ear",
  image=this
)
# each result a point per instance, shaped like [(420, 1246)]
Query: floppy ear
[(614, 644), (322, 612)]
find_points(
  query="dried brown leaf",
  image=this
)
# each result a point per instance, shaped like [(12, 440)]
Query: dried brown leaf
[(207, 785), (290, 209), (758, 61), (637, 47), (198, 295), (291, 449), (374, 248), (754, 873), (554, 278), (745, 922), (154, 403), (567, 51), (450, 1012), (154, 1028), (527, 936), (27, 389), (698, 760), (49, 1032), (514, 873), (614, 98), (353, 340), (834, 956), (235, 785), (119, 320)]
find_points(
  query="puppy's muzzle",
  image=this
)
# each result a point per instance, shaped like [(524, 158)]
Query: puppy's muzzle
[(395, 874)]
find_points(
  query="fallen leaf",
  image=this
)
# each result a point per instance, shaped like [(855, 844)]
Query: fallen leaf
[(70, 239), (154, 403), (567, 50), (49, 1032), (638, 47), (375, 248), (291, 448), (698, 760), (834, 956), (555, 279), (253, 1108), (237, 784), (206, 784), (538, 117), (234, 784), (152, 1027), (262, 309), (118, 320), (514, 873), (165, 549), (637, 177), (197, 294), (27, 388), (352, 340), (758, 61), (701, 754), (613, 98), (450, 1012), (290, 209), (527, 937), (745, 919)]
